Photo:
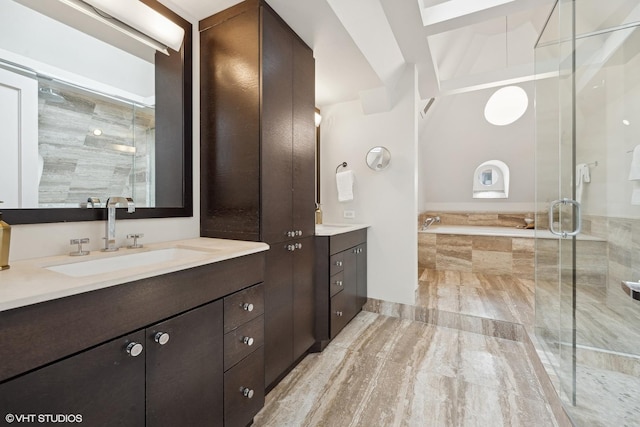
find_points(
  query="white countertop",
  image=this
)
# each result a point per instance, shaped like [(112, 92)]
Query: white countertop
[(334, 229), (29, 281)]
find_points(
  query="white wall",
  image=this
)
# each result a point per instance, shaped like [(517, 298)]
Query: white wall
[(455, 138), (38, 240), (386, 199)]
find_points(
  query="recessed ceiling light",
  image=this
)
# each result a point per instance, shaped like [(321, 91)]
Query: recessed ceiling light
[(97, 132), (506, 105), (626, 122)]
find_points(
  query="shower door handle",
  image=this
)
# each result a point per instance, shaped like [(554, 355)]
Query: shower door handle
[(578, 211)]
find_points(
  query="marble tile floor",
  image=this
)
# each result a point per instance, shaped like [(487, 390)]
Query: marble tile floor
[(385, 371), (492, 296)]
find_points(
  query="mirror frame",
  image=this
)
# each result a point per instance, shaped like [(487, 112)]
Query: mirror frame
[(174, 113)]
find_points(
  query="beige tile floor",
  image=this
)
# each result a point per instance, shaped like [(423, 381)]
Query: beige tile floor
[(384, 371), (491, 296)]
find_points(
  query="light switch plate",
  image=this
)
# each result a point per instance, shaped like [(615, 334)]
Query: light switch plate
[(349, 214)]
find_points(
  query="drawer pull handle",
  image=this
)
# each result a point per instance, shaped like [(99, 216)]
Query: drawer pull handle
[(299, 233), (339, 283), (339, 313), (291, 248), (248, 341), (298, 245), (291, 234), (246, 392), (161, 338), (247, 306), (134, 349), (339, 263)]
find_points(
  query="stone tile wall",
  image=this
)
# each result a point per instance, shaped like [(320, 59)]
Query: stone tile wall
[(79, 164)]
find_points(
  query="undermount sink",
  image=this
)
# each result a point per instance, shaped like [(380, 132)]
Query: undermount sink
[(125, 261)]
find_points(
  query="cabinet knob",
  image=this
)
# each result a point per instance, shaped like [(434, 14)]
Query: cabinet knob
[(134, 349), (290, 234), (161, 338), (291, 248), (339, 313), (339, 263), (298, 245), (339, 283), (248, 341), (247, 306), (246, 392), (299, 233)]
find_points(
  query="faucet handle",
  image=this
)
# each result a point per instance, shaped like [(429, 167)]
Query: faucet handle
[(135, 238), (79, 242)]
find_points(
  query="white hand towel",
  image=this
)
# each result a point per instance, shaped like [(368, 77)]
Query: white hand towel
[(634, 172), (635, 194), (583, 175), (344, 181)]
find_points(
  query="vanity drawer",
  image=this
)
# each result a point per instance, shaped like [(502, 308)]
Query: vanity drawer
[(336, 283), (336, 264), (244, 390), (243, 341), (339, 313), (243, 306)]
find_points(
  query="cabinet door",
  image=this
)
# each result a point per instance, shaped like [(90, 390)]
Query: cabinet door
[(230, 128), (362, 275), (185, 374), (304, 139), (351, 283), (276, 125), (278, 311), (104, 386), (303, 297)]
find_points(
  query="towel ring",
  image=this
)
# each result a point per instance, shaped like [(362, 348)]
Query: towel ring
[(343, 165)]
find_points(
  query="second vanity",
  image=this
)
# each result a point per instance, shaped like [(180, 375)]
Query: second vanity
[(340, 278), (179, 342)]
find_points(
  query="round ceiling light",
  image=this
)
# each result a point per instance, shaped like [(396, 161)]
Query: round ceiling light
[(506, 105)]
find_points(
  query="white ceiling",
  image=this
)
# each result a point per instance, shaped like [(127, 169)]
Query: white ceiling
[(363, 45)]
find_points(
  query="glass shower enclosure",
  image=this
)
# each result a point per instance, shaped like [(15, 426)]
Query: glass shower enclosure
[(588, 196)]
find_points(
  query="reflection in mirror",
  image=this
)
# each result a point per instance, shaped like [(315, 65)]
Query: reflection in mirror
[(378, 158), (79, 116)]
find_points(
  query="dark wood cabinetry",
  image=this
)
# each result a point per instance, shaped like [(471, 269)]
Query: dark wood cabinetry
[(183, 365), (173, 371), (289, 306), (104, 386), (340, 284), (258, 160), (257, 127)]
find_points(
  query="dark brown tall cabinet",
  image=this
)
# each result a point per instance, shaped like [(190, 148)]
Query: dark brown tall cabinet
[(257, 161)]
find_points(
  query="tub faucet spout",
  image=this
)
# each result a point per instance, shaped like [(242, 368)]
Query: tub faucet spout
[(429, 221), (112, 203)]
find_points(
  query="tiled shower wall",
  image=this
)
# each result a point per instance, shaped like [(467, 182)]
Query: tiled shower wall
[(79, 164)]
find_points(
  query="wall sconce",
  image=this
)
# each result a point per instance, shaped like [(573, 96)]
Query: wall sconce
[(134, 19)]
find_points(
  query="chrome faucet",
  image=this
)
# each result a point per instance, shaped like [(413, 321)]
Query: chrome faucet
[(112, 203), (428, 221)]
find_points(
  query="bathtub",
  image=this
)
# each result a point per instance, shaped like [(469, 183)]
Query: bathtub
[(479, 230), (490, 250)]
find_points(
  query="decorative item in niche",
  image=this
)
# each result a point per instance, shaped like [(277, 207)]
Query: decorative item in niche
[(378, 158), (491, 180)]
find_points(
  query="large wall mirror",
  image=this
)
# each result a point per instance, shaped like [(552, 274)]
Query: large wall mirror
[(87, 112)]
